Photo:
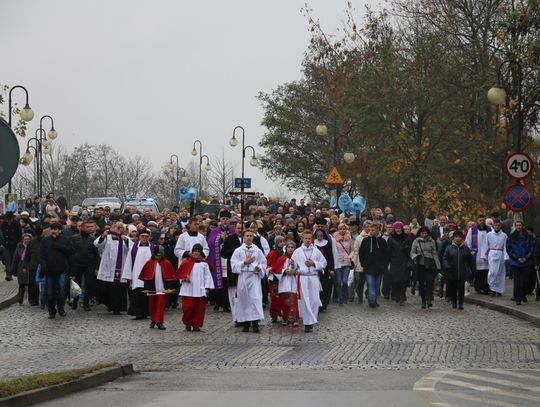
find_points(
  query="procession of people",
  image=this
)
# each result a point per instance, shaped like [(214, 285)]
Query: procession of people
[(293, 260)]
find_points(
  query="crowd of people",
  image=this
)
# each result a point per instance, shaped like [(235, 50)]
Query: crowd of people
[(293, 259)]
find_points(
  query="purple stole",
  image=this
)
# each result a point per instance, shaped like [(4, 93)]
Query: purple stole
[(119, 257), (214, 257), (474, 239), (135, 249)]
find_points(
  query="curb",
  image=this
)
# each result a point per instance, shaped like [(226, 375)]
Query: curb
[(60, 390), (505, 310), (10, 300)]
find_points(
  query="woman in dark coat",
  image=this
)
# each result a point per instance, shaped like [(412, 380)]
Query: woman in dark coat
[(399, 250), (427, 263), (22, 274), (324, 244)]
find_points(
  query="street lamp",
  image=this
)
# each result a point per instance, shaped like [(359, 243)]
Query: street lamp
[(27, 158), (26, 113), (208, 167), (44, 147), (322, 131), (233, 142)]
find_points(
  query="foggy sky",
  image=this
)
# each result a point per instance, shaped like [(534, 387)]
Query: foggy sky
[(150, 77)]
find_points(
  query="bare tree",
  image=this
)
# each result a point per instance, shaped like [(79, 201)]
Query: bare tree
[(221, 179)]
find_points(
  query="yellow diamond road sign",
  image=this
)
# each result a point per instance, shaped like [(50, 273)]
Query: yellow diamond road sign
[(334, 177)]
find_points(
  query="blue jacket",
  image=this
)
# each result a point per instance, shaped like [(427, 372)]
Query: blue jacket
[(520, 246)]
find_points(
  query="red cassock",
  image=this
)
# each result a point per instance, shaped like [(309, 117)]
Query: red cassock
[(273, 261), (157, 302)]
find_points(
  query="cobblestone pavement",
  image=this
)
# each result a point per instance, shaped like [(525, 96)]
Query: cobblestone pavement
[(352, 337)]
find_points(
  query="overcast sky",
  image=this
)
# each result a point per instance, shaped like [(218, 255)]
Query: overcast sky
[(150, 77)]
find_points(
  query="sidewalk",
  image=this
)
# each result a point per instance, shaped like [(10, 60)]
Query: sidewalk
[(529, 311), (8, 289)]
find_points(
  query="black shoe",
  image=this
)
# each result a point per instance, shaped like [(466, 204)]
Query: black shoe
[(188, 328), (152, 325), (255, 326), (139, 317), (274, 320), (74, 305), (216, 308), (308, 328), (424, 306), (376, 304), (196, 329), (238, 324), (226, 310), (429, 304), (461, 306), (62, 313), (52, 316), (524, 299), (161, 326), (8, 278), (518, 302), (245, 328), (87, 308)]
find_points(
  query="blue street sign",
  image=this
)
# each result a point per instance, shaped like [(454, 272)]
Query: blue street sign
[(238, 183), (518, 197)]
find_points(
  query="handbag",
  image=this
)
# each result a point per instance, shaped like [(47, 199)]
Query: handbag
[(352, 262), (429, 262), (74, 289)]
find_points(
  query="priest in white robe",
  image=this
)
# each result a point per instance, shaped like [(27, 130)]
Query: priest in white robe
[(496, 256), (113, 288), (249, 262), (310, 261), (188, 239), (477, 242), (140, 251)]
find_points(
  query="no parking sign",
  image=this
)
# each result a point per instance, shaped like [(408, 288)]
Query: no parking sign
[(518, 197)]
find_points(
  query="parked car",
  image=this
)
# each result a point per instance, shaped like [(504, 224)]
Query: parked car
[(91, 203), (141, 204)]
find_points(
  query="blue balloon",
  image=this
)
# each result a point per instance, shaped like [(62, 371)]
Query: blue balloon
[(345, 202), (358, 204), (188, 194)]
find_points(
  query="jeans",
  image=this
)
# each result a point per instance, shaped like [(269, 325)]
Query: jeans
[(342, 279), (86, 273), (56, 292), (373, 284)]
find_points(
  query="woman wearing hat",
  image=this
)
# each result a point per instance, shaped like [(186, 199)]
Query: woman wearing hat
[(22, 274)]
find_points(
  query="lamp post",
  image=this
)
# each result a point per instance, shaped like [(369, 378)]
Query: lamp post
[(27, 158), (233, 142), (208, 167), (26, 113), (44, 148), (322, 131), (178, 169)]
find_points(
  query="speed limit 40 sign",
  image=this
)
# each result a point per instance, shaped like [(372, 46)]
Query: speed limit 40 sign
[(518, 165)]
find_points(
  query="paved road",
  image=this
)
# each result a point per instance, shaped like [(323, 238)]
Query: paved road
[(353, 337)]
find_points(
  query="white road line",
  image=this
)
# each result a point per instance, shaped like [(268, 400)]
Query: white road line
[(495, 380), (462, 396), (488, 389), (514, 374)]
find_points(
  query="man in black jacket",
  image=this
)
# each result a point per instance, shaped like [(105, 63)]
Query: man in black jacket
[(84, 262), (230, 244), (12, 236), (55, 252), (373, 256), (31, 262)]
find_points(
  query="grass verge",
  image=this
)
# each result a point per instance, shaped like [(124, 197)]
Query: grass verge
[(26, 383)]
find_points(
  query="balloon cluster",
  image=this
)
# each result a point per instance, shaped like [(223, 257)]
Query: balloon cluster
[(188, 194), (355, 205)]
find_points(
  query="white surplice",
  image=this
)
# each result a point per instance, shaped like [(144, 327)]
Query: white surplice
[(495, 256), (132, 269), (309, 283), (248, 289), (200, 279), (481, 261), (287, 284), (186, 242), (109, 248)]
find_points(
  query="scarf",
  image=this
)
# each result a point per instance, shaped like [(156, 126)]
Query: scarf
[(119, 258), (135, 249)]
